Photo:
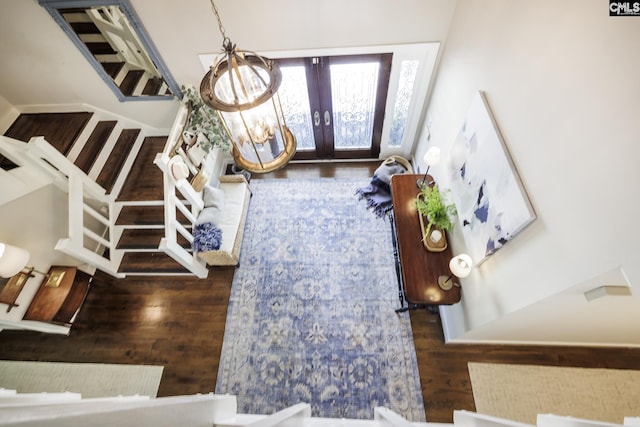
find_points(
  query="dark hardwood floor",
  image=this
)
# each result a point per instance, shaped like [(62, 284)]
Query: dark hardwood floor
[(179, 323)]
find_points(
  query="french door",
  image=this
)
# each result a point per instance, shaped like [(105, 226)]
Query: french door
[(342, 86), (335, 105)]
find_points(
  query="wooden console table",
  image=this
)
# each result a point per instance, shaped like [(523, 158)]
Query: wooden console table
[(418, 269), (60, 295)]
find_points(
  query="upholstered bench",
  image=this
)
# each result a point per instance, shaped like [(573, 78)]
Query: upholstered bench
[(234, 215)]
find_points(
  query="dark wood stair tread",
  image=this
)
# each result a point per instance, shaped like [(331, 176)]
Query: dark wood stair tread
[(150, 262), (59, 129), (100, 48), (145, 179), (146, 238), (117, 158), (94, 144), (112, 68), (145, 216), (152, 87), (84, 28), (130, 81)]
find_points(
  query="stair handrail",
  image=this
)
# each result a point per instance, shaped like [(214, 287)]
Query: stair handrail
[(80, 187), (61, 168), (117, 30), (464, 418), (190, 208), (290, 416), (387, 417)]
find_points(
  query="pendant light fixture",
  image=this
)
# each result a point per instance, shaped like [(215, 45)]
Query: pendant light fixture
[(242, 87)]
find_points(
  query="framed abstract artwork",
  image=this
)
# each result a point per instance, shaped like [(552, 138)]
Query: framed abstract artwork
[(492, 204)]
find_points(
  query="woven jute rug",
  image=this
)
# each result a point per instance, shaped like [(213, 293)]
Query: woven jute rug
[(88, 379), (521, 392)]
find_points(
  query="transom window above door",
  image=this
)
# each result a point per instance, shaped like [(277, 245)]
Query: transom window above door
[(353, 103)]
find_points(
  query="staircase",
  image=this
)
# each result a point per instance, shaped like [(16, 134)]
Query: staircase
[(141, 217), (123, 216), (108, 37)]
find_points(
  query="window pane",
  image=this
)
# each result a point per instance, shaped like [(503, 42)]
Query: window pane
[(295, 105), (353, 91), (408, 71)]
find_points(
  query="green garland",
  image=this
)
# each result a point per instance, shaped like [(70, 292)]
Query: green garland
[(205, 119)]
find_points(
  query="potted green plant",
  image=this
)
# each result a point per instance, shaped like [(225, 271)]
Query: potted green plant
[(205, 120), (438, 212)]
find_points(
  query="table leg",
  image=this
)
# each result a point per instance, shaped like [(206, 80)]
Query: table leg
[(396, 257), (433, 309)]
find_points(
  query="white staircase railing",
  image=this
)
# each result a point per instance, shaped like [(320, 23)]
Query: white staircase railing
[(463, 418), (123, 411), (25, 178), (91, 213), (293, 416), (117, 30), (386, 417), (179, 195)]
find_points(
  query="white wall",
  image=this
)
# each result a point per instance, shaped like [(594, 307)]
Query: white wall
[(35, 223), (46, 68), (183, 30), (5, 107), (561, 79)]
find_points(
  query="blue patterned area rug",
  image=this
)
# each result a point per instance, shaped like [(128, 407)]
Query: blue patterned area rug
[(311, 314)]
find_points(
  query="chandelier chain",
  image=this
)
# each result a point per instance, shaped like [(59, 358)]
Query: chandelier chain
[(220, 26)]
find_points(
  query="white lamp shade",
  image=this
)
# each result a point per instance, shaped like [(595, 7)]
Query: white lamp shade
[(460, 265), (12, 260), (432, 156)]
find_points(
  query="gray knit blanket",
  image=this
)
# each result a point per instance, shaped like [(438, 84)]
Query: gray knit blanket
[(378, 192)]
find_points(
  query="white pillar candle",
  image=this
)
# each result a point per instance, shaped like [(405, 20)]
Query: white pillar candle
[(436, 235)]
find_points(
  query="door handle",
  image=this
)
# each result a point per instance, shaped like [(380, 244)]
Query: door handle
[(316, 118), (327, 118)]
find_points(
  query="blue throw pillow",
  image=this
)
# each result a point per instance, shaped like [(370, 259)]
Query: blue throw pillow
[(206, 237)]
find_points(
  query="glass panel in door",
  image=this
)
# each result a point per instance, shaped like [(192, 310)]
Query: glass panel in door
[(295, 105), (334, 105), (353, 96), (408, 73)]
